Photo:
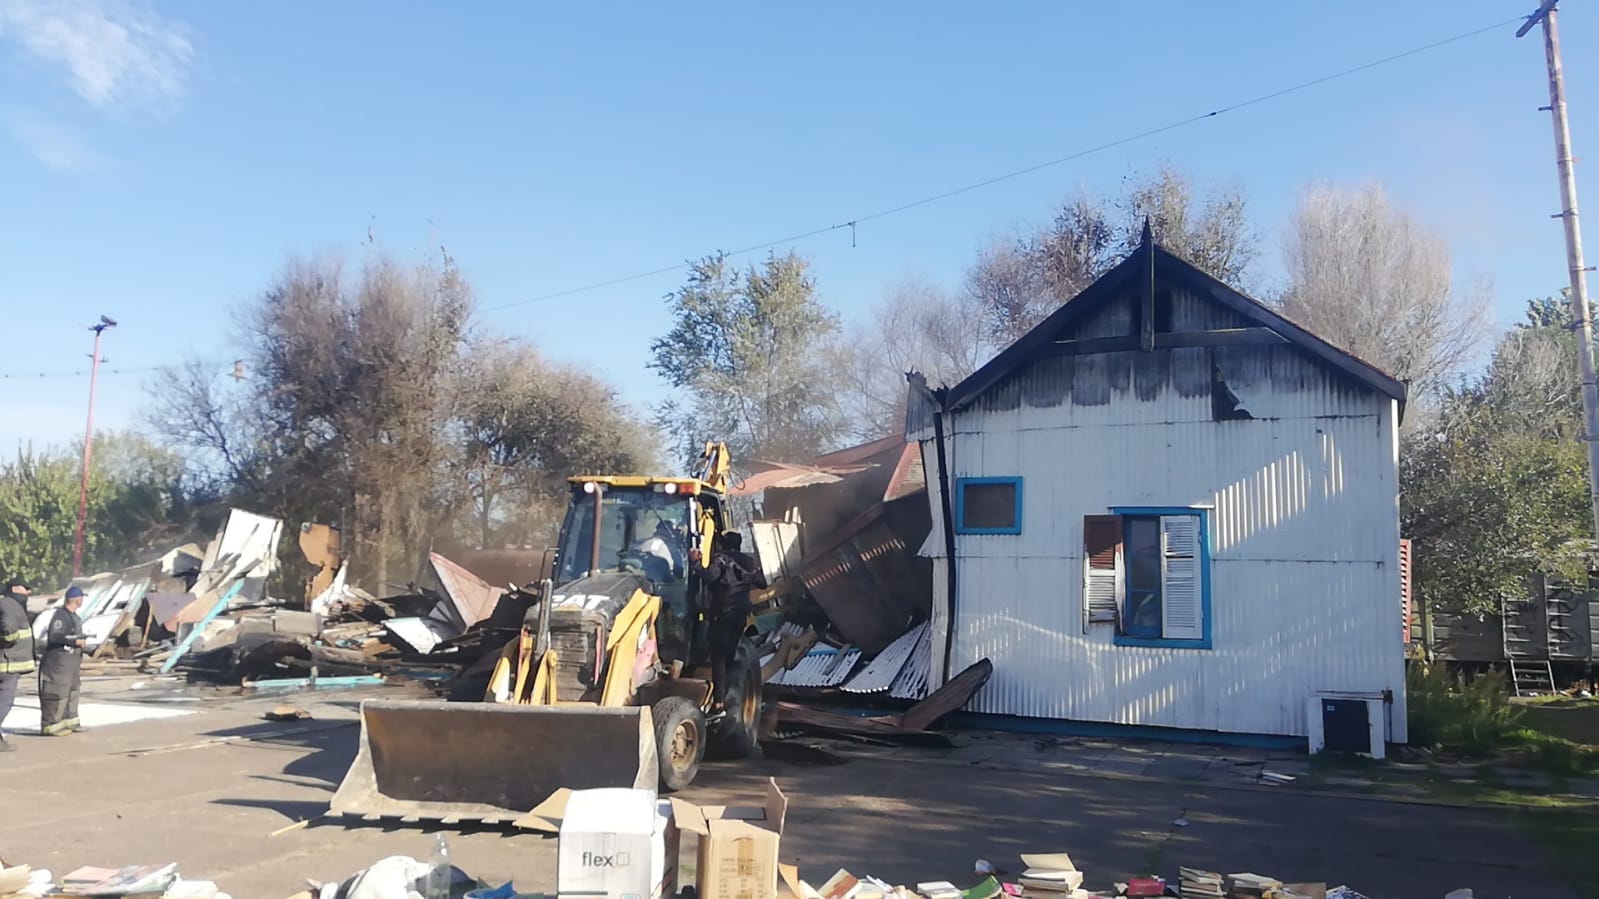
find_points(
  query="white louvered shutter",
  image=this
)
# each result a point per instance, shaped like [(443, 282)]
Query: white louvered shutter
[(1182, 611), (1102, 556)]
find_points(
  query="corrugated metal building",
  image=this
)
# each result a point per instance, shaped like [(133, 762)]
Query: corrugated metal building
[(1170, 507)]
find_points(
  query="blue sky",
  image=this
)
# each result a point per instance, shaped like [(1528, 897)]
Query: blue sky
[(161, 161)]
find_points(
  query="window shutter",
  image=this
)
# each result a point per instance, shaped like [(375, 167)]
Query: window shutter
[(1102, 556), (1181, 609)]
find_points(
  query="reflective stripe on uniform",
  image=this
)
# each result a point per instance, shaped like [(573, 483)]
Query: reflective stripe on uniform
[(16, 667), (17, 636)]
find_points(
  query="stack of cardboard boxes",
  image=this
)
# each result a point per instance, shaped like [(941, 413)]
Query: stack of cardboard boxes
[(624, 844)]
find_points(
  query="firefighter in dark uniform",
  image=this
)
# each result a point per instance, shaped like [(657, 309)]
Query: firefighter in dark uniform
[(16, 648), (60, 674), (729, 577)]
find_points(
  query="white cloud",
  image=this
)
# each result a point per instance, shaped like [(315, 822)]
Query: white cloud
[(60, 147), (115, 52)]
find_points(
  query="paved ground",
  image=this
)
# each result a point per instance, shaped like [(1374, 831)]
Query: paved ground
[(206, 789)]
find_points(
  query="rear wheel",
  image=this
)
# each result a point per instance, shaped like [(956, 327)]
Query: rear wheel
[(679, 741), (733, 735)]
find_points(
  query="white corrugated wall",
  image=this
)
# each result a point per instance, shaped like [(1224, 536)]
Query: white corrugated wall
[(1304, 536)]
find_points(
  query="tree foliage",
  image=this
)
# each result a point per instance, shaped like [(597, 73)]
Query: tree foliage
[(136, 502), (751, 348), (1499, 488), (527, 425), (370, 402)]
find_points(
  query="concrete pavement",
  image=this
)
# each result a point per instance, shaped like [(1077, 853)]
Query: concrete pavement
[(206, 790)]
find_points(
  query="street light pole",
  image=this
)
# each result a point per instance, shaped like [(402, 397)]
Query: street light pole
[(88, 446)]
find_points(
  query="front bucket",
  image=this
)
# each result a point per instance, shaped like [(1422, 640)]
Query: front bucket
[(489, 762)]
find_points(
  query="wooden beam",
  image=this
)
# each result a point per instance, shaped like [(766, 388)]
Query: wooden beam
[(1146, 290), (1220, 337), (1171, 340), (1093, 345)]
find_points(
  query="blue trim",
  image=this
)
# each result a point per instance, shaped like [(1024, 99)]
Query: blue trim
[(960, 505), (1204, 576), (1017, 724)]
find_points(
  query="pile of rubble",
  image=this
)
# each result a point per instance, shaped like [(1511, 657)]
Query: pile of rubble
[(24, 882), (205, 612)]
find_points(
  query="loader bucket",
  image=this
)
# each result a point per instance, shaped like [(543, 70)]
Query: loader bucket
[(488, 762)]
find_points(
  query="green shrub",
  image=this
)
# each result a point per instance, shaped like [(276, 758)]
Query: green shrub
[(1469, 716)]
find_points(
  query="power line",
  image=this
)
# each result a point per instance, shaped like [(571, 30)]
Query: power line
[(989, 182), (44, 375), (83, 372)]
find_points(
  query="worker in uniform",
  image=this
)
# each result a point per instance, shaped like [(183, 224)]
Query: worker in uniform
[(662, 553), (60, 667), (729, 577), (16, 649)]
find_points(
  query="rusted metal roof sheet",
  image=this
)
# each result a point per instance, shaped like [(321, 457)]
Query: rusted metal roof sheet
[(879, 676), (859, 454), (472, 598), (824, 666), (869, 582)]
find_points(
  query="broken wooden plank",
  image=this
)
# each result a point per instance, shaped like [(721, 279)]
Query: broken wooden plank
[(952, 697)]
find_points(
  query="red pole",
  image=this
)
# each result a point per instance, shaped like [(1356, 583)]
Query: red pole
[(88, 447)]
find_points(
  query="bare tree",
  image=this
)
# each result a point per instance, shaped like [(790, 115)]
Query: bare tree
[(1019, 281), (916, 327), (1371, 279), (347, 411), (1210, 231), (1007, 285)]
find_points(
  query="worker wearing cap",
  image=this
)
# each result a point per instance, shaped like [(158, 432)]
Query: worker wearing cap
[(16, 648), (60, 667)]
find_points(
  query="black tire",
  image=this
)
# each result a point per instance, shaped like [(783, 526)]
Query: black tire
[(679, 741), (733, 736)]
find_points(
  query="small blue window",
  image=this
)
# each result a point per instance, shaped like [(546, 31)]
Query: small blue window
[(988, 505)]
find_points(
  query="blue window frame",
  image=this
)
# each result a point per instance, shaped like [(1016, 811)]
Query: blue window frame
[(988, 505), (1165, 577)]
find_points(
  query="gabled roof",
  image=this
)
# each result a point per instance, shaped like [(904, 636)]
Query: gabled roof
[(1167, 269)]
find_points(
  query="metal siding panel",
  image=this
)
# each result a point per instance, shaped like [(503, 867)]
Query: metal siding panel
[(883, 671), (1305, 580)]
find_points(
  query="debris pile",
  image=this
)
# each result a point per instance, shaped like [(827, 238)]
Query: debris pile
[(149, 881), (205, 612)]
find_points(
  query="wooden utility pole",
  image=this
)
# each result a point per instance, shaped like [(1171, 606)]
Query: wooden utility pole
[(88, 447), (1578, 270)]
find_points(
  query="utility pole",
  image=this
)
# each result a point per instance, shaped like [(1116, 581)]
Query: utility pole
[(88, 445), (1578, 270)]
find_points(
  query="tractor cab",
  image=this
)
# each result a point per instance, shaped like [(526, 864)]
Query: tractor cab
[(646, 527)]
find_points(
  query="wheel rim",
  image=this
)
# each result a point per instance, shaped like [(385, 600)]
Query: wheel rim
[(685, 745)]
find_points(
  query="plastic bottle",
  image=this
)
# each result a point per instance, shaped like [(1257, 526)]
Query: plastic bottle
[(438, 882)]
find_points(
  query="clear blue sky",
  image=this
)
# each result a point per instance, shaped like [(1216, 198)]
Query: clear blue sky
[(161, 161)]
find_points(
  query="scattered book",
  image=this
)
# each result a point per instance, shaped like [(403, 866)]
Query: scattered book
[(1195, 882), (938, 889), (842, 885), (988, 889), (1145, 886)]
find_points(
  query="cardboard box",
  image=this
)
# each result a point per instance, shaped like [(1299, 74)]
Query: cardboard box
[(738, 845), (617, 843)]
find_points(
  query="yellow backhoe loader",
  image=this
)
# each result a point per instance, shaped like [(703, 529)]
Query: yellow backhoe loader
[(609, 683)]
